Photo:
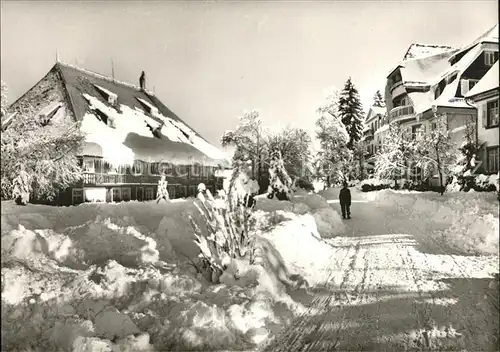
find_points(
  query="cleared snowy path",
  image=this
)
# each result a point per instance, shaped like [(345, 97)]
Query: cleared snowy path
[(393, 286)]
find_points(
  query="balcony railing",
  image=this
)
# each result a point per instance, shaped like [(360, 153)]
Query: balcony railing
[(100, 178), (401, 112), (95, 179)]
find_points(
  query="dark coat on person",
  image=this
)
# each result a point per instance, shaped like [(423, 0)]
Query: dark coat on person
[(345, 196)]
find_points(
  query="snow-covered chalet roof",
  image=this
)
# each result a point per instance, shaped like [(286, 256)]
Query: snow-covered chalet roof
[(133, 113), (491, 36), (487, 83), (423, 101), (424, 70), (417, 50), (430, 70)]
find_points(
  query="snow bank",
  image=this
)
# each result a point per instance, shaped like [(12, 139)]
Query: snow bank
[(116, 277), (102, 286), (296, 247), (466, 221), (166, 223), (328, 221)]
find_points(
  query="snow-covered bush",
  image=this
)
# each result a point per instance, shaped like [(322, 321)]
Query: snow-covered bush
[(21, 189), (162, 192), (374, 184), (229, 222), (280, 184)]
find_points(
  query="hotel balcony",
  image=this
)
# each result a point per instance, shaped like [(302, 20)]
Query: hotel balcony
[(402, 113), (397, 89)]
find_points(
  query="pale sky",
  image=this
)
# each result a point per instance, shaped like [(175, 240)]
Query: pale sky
[(211, 61)]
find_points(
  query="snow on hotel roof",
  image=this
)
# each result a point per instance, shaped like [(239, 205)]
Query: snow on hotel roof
[(491, 36), (487, 83), (129, 138), (417, 50)]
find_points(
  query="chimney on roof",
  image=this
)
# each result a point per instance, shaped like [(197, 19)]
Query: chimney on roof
[(142, 81)]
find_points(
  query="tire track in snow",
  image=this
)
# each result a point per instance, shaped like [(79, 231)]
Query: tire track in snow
[(461, 266), (302, 334)]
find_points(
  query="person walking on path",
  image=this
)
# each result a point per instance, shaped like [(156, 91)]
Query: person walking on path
[(345, 201)]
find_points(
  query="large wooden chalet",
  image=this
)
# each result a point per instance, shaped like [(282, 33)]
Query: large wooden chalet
[(132, 138)]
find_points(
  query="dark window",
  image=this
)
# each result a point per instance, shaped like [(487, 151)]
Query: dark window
[(452, 78), (433, 126), (77, 195), (492, 159), (196, 170), (415, 130), (492, 108), (437, 93), (155, 168), (137, 168)]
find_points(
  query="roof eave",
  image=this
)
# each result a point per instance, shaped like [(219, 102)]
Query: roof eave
[(393, 70), (483, 95)]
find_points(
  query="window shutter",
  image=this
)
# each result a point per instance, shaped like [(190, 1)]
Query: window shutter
[(464, 86), (484, 117)]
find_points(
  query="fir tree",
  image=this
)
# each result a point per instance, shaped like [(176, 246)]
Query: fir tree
[(351, 112), (378, 100)]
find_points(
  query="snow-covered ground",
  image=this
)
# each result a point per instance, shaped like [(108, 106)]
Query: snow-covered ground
[(110, 276), (116, 277)]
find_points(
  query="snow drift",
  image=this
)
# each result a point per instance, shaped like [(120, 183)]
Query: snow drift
[(116, 277), (466, 221)]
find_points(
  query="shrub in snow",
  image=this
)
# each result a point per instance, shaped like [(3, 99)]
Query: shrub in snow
[(305, 184), (162, 192), (229, 234)]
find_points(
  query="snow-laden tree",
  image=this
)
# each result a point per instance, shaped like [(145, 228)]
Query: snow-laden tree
[(351, 112), (395, 155), (358, 153), (39, 157), (334, 158), (294, 144), (469, 149), (250, 142), (378, 100), (436, 152), (3, 99), (280, 183)]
